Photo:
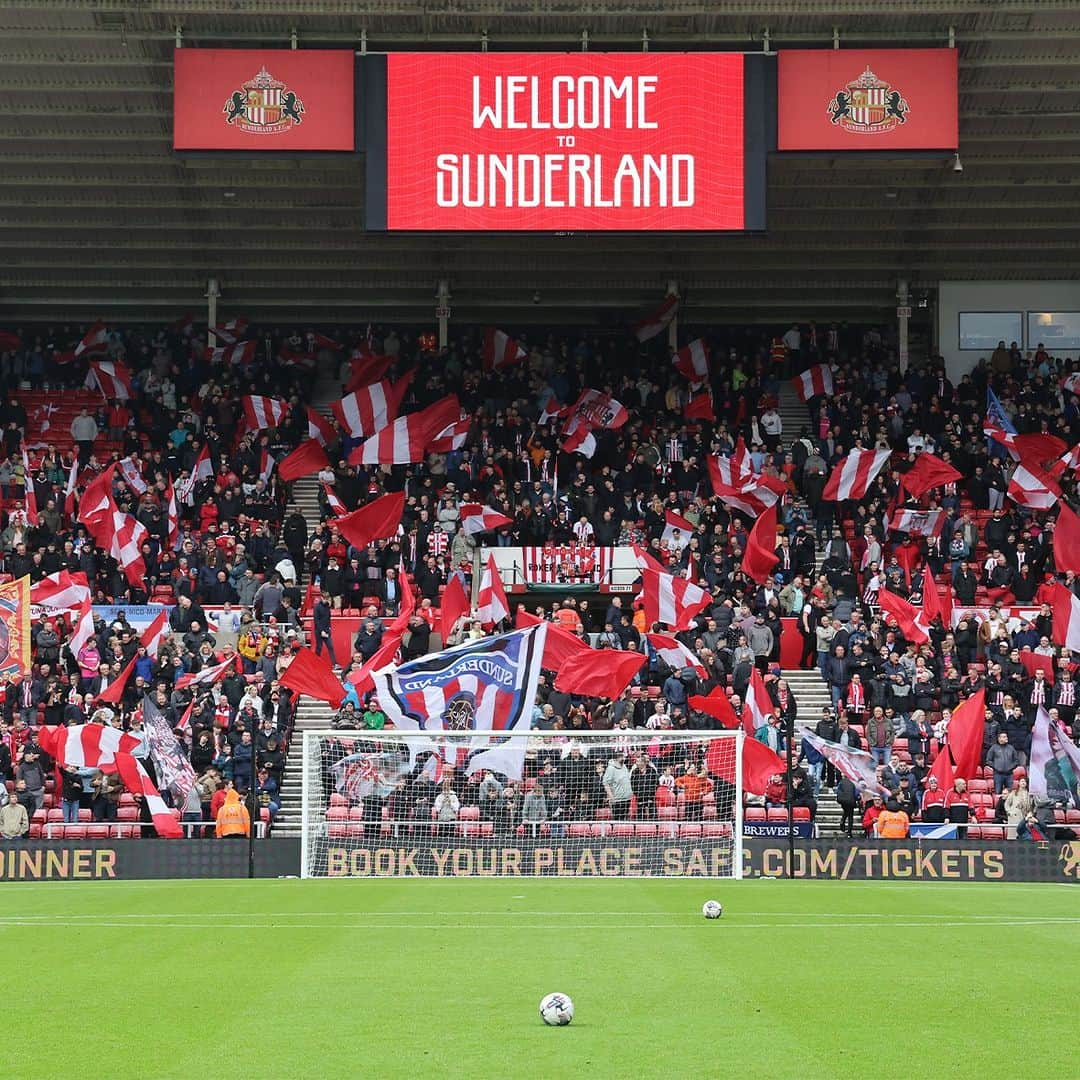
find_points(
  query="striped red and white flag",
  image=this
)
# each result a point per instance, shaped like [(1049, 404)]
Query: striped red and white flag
[(83, 625), (477, 518), (29, 494), (72, 485), (95, 746), (918, 522), (676, 523), (333, 501), (852, 477), (579, 440), (1066, 618), (230, 332), (751, 496), (913, 621), (692, 361), (408, 438), (596, 409), (733, 470), (814, 382), (675, 654), (453, 436), (61, 591), (363, 412), (501, 350), (294, 358), (94, 342), (758, 706), (1071, 383), (657, 321), (243, 353), (111, 378), (263, 412), (320, 429), (155, 634), (126, 538), (207, 676), (203, 469), (172, 515), (267, 461), (491, 603), (993, 430), (1033, 488), (366, 369), (671, 600)]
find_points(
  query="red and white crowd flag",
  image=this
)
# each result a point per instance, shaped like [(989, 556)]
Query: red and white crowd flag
[(814, 382), (752, 496), (491, 603), (677, 530), (111, 378), (596, 409), (126, 537), (61, 591), (131, 473), (913, 621), (675, 654), (407, 438), (82, 626), (95, 746), (172, 515), (670, 600), (364, 411), (95, 341), (1066, 618), (477, 518), (207, 676), (230, 332), (733, 470), (267, 461), (453, 436), (692, 361), (501, 350), (579, 440), (203, 469), (263, 412), (758, 706), (72, 485), (657, 321), (993, 430), (918, 522), (333, 501), (1071, 383), (852, 477), (232, 354), (319, 428), (1030, 487)]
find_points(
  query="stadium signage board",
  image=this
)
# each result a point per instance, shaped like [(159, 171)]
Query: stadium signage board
[(269, 100), (867, 99), (564, 142)]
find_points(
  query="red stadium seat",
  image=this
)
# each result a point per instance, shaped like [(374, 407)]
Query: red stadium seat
[(689, 830), (992, 832), (665, 813), (580, 829), (97, 832), (121, 832), (335, 798), (622, 828), (645, 828), (800, 813), (777, 813), (601, 828), (127, 813), (716, 828), (74, 832), (754, 813)]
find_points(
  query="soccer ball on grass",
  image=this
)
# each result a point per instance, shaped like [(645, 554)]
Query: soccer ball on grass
[(712, 909), (556, 1010)]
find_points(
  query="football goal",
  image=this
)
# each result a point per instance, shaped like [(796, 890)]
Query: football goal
[(453, 804)]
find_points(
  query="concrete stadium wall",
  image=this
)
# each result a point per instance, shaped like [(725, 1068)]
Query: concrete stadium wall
[(1003, 296)]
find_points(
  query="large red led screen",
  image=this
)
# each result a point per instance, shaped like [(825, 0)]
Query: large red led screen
[(539, 141), (867, 99), (264, 99)]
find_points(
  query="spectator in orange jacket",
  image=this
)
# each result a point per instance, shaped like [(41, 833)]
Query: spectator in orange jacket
[(233, 819), (892, 823), (695, 785)]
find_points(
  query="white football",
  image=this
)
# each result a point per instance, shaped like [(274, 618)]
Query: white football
[(712, 909), (557, 1010)]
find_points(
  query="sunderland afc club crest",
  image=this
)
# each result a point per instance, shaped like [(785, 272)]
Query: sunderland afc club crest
[(264, 106), (868, 106)]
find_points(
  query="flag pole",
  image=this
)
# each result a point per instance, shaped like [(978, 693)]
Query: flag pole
[(253, 810)]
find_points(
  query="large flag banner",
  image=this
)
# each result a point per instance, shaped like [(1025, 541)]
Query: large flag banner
[(15, 643), (171, 764), (998, 427), (1054, 768), (852, 476), (369, 775), (467, 698), (814, 382), (856, 765)]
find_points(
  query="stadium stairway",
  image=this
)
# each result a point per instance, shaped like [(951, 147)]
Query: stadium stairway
[(812, 695), (792, 412), (311, 715)]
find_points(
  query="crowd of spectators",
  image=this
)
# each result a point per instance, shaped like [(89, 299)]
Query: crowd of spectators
[(240, 551)]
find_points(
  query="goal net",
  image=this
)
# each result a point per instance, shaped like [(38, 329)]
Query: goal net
[(605, 804)]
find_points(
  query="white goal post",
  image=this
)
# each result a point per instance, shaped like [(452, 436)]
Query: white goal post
[(625, 803)]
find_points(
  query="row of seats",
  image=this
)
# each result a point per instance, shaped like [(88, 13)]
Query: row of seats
[(598, 829)]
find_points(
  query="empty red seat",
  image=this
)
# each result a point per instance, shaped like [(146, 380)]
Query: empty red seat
[(716, 828), (690, 829), (622, 828), (121, 832), (601, 828), (800, 813), (754, 813), (127, 813), (579, 828), (645, 828), (97, 832), (777, 813), (338, 800), (356, 813), (75, 832), (992, 832), (665, 813)]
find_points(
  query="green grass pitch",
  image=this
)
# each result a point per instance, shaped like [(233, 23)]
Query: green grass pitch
[(395, 978)]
